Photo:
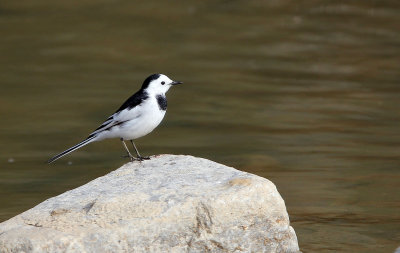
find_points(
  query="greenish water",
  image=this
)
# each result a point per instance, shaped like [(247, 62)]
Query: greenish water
[(304, 93)]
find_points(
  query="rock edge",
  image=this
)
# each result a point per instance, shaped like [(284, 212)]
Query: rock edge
[(170, 203)]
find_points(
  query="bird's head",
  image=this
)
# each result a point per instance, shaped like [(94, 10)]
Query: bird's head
[(158, 84)]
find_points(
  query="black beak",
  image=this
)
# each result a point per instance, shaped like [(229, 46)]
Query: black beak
[(176, 82)]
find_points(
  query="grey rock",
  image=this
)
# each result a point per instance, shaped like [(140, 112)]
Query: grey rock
[(167, 204)]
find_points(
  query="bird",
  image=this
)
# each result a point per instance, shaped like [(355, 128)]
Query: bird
[(139, 115)]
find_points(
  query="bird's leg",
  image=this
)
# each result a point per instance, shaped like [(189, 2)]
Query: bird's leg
[(127, 150), (141, 158)]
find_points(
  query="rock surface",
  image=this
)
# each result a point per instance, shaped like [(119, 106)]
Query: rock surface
[(167, 204)]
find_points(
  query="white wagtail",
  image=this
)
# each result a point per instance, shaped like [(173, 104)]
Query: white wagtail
[(138, 116)]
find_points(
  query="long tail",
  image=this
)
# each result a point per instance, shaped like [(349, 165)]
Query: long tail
[(66, 152)]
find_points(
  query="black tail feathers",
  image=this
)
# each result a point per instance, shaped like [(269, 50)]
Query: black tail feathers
[(79, 145)]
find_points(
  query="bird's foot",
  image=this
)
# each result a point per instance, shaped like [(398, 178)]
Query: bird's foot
[(131, 158), (139, 158), (142, 158)]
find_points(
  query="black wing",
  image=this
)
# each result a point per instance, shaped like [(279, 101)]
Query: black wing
[(135, 100)]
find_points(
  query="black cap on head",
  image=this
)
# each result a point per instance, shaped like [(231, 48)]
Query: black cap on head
[(149, 79)]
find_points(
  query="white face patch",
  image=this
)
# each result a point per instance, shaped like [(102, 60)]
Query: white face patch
[(160, 85)]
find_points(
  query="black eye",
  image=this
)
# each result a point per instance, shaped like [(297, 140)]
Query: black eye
[(162, 82)]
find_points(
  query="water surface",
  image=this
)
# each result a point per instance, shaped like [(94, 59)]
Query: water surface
[(303, 93)]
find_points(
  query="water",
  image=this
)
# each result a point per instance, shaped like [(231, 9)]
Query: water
[(304, 93)]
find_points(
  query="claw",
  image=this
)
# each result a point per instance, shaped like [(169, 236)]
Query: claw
[(139, 158), (131, 158), (142, 158)]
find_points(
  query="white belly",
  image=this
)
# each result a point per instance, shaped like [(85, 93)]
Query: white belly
[(141, 126), (138, 122)]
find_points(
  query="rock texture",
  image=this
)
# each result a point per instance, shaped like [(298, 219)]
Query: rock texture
[(167, 204)]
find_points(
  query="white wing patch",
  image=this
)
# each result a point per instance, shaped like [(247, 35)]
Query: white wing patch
[(118, 119)]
